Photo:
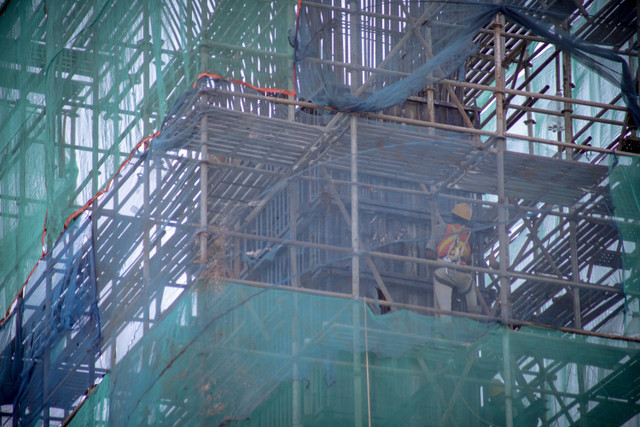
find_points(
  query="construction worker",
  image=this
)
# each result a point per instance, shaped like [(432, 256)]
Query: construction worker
[(453, 247)]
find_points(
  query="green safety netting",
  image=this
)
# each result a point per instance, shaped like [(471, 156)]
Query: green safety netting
[(624, 179), (212, 350), (89, 80), (61, 157), (229, 352), (111, 73), (158, 300)]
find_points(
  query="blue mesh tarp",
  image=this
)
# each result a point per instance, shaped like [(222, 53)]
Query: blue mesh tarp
[(407, 46), (49, 352)]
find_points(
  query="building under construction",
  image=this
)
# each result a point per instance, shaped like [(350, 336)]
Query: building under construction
[(223, 212)]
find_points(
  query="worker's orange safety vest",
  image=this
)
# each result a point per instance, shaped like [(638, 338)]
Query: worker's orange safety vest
[(455, 244)]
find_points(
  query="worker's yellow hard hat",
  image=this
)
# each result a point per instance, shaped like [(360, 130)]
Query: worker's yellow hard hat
[(463, 210)]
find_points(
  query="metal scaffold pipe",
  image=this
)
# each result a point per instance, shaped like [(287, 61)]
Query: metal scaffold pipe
[(502, 210)]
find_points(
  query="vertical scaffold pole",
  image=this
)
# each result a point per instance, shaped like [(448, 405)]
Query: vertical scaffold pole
[(575, 271), (500, 148), (204, 172), (502, 212), (355, 275), (506, 355), (296, 399), (146, 243), (355, 82), (354, 51), (19, 350), (530, 120), (567, 108), (204, 178), (294, 188), (46, 357), (355, 240), (146, 184), (567, 91)]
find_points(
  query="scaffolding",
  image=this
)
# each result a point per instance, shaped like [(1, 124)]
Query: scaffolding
[(262, 258)]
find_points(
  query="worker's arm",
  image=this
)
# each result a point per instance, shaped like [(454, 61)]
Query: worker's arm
[(437, 233), (439, 219)]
